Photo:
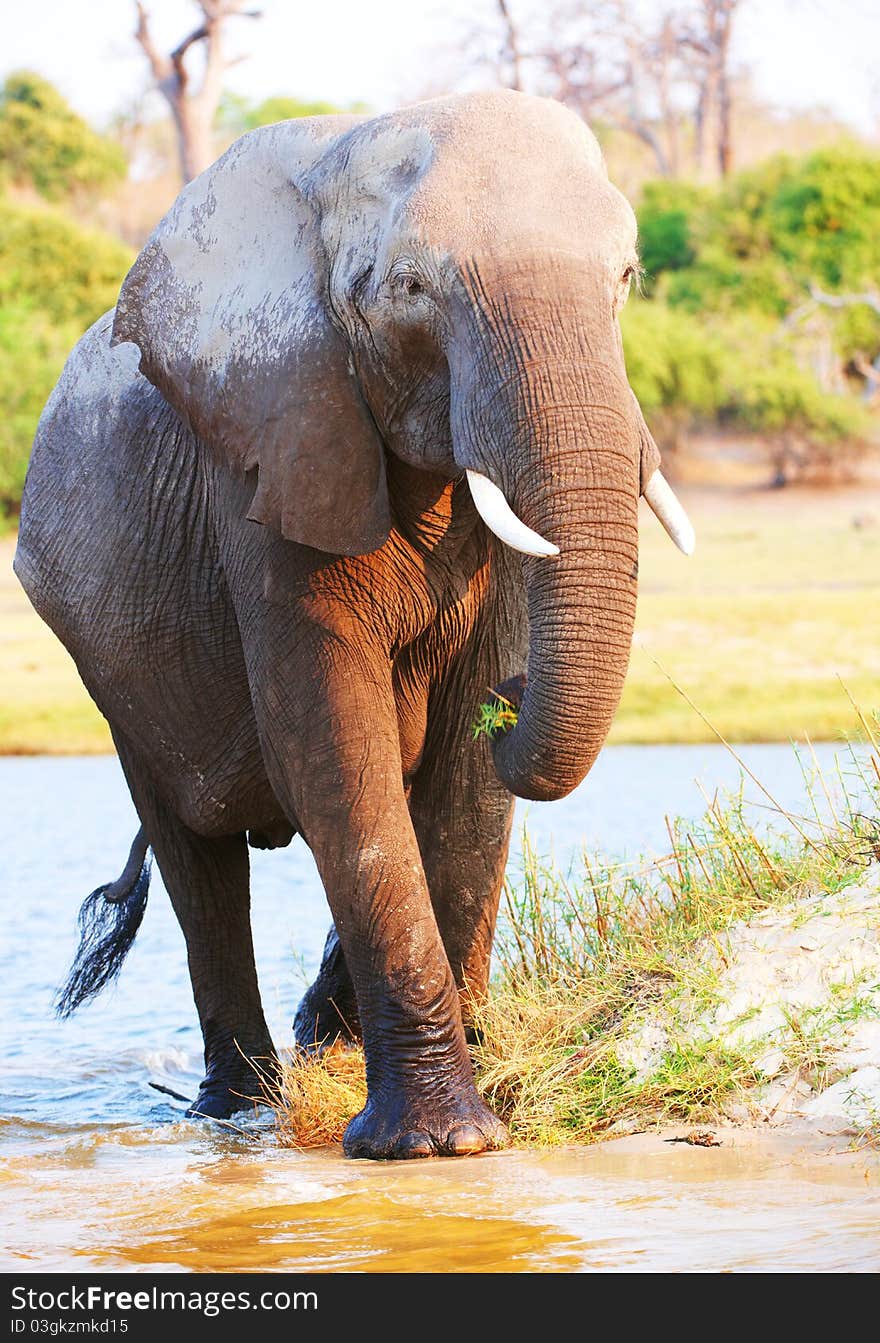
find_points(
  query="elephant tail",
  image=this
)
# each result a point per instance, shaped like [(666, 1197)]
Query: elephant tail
[(108, 923)]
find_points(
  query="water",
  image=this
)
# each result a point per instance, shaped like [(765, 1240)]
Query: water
[(90, 1149)]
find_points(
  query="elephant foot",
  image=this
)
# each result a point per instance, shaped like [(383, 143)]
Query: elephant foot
[(464, 1126), (328, 1011), (217, 1103), (232, 1085)]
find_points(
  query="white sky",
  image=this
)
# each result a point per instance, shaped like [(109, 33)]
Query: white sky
[(801, 52)]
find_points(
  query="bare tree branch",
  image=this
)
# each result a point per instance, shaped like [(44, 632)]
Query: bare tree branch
[(160, 65), (511, 44), (648, 76), (193, 111)]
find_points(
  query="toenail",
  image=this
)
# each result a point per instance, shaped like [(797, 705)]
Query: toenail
[(413, 1145), (465, 1139)]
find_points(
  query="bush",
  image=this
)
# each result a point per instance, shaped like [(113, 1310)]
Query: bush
[(44, 144), (55, 280), (762, 238), (725, 267), (665, 216), (738, 371), (68, 272), (32, 354)]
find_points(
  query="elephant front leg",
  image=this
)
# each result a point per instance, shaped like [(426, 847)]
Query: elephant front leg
[(462, 817), (350, 799), (421, 1095), (328, 1010), (340, 767), (464, 836), (463, 829)]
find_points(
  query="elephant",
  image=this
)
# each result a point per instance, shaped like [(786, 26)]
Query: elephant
[(355, 450)]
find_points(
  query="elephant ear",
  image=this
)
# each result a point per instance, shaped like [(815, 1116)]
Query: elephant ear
[(227, 305)]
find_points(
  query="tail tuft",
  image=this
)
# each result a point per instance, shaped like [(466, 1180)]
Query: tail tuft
[(108, 923)]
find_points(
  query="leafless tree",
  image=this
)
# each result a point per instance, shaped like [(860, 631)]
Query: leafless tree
[(193, 110), (606, 70), (654, 78), (709, 40), (511, 49)]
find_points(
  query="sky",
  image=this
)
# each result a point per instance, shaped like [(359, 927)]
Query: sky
[(802, 53)]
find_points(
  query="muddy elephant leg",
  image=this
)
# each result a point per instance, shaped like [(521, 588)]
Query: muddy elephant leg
[(346, 789), (464, 835), (328, 1010), (208, 882), (462, 817)]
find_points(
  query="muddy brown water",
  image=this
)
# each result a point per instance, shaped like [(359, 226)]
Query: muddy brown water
[(99, 1171), (173, 1199)]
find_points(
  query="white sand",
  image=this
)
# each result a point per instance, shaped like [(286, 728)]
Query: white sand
[(797, 990)]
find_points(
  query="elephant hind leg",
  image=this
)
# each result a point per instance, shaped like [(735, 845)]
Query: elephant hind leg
[(328, 1010), (209, 885)]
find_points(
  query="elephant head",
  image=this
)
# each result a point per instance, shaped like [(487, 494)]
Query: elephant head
[(441, 284)]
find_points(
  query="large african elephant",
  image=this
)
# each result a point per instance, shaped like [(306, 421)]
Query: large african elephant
[(263, 513)]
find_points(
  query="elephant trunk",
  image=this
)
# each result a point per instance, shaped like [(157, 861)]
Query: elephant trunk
[(561, 436), (581, 609)]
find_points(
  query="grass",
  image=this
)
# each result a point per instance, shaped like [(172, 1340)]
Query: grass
[(494, 716), (592, 1026), (781, 597)]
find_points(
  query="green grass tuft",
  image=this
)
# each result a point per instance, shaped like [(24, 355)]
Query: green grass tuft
[(592, 963), (494, 717)]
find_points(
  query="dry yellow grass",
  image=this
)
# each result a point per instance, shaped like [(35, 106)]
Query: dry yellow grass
[(315, 1096)]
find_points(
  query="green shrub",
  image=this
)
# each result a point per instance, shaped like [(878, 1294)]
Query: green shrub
[(665, 216), (32, 354), (737, 371), (44, 144), (762, 238), (55, 280), (68, 272)]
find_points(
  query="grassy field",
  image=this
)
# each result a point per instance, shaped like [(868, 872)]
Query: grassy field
[(781, 598)]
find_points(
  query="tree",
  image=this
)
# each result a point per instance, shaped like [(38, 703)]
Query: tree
[(511, 51), (44, 144), (664, 79), (193, 110), (710, 40)]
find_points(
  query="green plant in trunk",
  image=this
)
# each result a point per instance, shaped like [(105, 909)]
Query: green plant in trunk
[(494, 716)]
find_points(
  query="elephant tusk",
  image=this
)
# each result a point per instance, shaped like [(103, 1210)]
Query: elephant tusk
[(500, 518), (661, 500)]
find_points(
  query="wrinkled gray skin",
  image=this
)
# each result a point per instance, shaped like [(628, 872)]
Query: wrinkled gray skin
[(332, 323)]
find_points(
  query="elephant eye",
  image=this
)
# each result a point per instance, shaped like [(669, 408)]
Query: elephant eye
[(632, 272), (408, 285)]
